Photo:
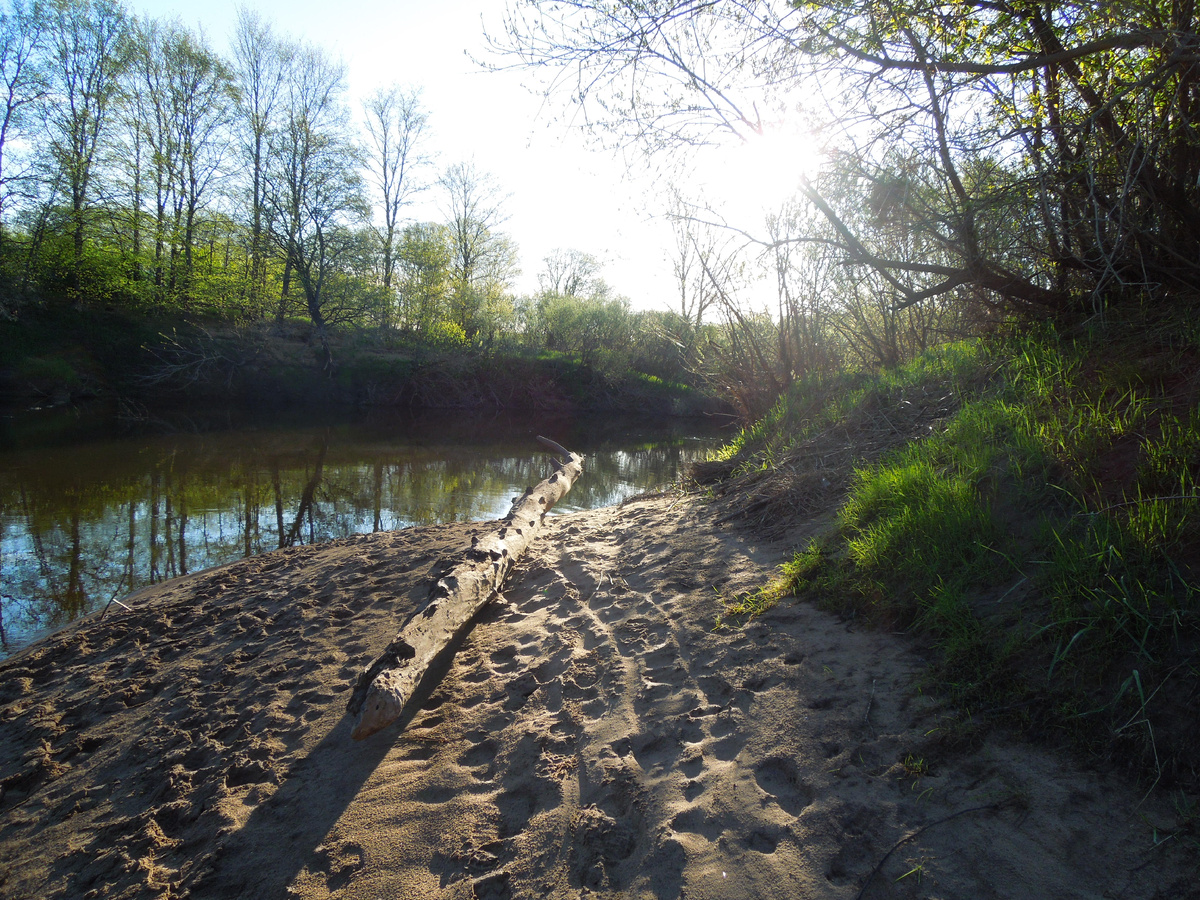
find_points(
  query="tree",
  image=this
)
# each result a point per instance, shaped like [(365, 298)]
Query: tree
[(88, 52), (482, 260), (423, 267), (22, 38), (396, 124), (1049, 153), (694, 243), (593, 327), (658, 73), (313, 187), (1087, 115), (183, 97), (569, 273), (261, 67), (496, 311), (202, 95)]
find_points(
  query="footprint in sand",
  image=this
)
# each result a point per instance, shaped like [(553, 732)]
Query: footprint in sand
[(654, 750), (482, 754), (697, 820), (493, 886), (420, 752), (516, 809), (476, 675), (338, 863), (763, 841), (581, 681), (519, 691), (779, 779), (692, 766), (504, 660), (690, 732), (595, 710), (599, 844), (552, 669), (728, 748)]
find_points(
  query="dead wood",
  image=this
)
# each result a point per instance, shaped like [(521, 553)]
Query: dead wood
[(388, 682)]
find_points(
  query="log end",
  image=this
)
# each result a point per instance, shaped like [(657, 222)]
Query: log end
[(383, 704)]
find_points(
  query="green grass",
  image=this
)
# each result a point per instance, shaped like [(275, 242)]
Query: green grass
[(1040, 536)]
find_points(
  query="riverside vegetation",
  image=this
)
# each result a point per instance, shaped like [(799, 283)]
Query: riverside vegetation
[(53, 356), (1026, 506)]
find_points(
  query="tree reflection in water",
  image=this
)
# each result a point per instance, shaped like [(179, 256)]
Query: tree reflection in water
[(83, 524)]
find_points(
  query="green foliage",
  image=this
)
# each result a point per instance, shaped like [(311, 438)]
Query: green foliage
[(423, 270), (47, 376), (97, 279), (1041, 535), (589, 327), (921, 520), (446, 335), (815, 403)]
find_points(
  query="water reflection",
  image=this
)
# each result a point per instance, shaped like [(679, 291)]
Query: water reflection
[(97, 518)]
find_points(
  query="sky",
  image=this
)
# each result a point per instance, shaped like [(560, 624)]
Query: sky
[(563, 192)]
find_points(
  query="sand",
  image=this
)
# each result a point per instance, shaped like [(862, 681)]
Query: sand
[(593, 736)]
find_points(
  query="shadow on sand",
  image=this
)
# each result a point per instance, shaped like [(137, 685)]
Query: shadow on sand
[(284, 836)]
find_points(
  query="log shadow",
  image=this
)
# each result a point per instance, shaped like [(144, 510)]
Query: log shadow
[(286, 834)]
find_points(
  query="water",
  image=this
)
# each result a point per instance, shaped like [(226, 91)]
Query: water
[(91, 511)]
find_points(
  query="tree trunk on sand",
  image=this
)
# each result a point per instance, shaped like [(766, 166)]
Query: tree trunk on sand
[(387, 683)]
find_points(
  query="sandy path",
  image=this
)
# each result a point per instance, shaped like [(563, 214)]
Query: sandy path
[(593, 736)]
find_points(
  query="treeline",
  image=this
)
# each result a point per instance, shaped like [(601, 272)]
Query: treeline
[(141, 171), (983, 163)]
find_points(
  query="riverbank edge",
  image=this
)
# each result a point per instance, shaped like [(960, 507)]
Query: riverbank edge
[(55, 358)]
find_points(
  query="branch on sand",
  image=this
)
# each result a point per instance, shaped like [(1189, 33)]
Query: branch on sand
[(386, 684)]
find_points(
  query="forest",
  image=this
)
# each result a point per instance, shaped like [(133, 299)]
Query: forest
[(192, 208), (981, 164)]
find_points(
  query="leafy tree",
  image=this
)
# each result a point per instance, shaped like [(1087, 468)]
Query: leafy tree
[(261, 65), (482, 260), (590, 327), (576, 312), (1046, 154), (496, 312), (423, 267), (569, 272), (396, 124), (184, 97), (23, 85), (88, 54), (313, 188)]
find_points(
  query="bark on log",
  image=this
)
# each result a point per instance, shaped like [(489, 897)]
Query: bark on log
[(386, 684)]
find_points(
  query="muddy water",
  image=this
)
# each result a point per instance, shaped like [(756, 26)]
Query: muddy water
[(92, 509)]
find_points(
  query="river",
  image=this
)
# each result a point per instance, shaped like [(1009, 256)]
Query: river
[(92, 509)]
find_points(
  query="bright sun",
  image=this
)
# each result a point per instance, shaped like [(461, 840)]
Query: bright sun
[(745, 180)]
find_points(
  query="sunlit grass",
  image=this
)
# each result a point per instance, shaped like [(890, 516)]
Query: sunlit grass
[(1040, 535)]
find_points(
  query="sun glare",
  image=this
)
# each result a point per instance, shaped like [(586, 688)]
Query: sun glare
[(756, 176)]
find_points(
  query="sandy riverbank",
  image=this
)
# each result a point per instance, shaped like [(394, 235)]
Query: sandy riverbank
[(594, 736)]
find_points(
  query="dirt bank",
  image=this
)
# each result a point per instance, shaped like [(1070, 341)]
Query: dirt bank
[(594, 736)]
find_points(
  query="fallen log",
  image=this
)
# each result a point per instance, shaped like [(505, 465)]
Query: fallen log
[(388, 682)]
